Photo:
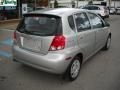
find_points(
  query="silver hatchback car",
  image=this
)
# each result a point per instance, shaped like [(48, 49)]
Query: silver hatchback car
[(60, 40)]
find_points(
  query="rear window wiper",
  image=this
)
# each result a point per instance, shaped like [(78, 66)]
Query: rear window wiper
[(25, 31)]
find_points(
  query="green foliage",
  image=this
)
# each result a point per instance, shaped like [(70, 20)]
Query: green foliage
[(8, 2), (55, 4)]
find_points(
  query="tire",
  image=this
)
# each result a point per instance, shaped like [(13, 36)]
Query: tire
[(73, 69), (108, 43)]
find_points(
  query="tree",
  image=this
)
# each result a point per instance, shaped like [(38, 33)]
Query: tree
[(90, 2), (73, 4), (55, 4), (4, 2)]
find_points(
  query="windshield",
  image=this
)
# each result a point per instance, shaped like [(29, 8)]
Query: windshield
[(40, 25)]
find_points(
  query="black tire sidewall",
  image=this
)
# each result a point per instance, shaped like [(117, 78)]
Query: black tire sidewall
[(106, 47)]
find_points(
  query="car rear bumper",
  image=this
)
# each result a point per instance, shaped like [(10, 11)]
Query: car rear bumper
[(107, 16), (51, 62), (104, 15)]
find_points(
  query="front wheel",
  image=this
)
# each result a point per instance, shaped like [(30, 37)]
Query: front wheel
[(74, 69), (108, 43)]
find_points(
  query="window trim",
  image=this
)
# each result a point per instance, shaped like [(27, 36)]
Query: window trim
[(73, 22)]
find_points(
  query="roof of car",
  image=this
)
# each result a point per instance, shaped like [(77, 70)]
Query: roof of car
[(57, 11)]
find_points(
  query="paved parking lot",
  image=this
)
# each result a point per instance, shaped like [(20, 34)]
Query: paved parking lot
[(101, 72), (5, 43)]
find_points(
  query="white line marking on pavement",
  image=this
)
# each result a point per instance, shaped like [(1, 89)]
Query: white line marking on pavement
[(10, 30)]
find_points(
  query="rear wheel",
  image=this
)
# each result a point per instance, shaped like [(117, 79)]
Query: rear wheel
[(74, 69)]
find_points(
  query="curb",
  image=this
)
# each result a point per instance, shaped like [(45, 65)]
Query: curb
[(10, 21)]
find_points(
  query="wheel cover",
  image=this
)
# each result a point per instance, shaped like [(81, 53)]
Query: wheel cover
[(75, 67)]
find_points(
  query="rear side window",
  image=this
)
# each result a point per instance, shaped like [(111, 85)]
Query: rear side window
[(71, 22), (106, 8), (95, 8), (87, 7), (42, 25), (91, 8)]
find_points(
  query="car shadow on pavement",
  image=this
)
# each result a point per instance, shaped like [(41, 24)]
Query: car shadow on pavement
[(41, 76)]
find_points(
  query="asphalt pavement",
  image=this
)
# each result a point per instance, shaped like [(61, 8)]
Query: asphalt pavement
[(101, 72), (6, 42)]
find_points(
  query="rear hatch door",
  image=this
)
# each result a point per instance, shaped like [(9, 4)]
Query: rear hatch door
[(36, 32)]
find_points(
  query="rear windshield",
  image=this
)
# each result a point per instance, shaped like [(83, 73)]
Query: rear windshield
[(91, 8), (106, 8), (43, 25)]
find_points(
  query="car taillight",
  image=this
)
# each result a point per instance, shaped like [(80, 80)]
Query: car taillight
[(58, 43), (14, 36)]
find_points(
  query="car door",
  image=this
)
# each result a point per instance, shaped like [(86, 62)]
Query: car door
[(100, 30), (85, 36)]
